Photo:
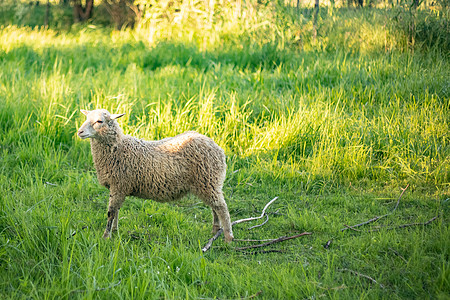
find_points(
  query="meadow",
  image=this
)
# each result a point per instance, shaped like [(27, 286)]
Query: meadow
[(344, 128)]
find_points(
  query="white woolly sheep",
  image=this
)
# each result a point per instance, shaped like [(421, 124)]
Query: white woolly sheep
[(163, 171)]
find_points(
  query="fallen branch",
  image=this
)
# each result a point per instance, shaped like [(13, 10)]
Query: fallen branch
[(211, 240), (255, 218), (350, 227), (362, 275), (216, 236), (378, 217), (398, 254), (404, 225), (250, 240), (259, 225), (281, 239), (262, 252), (364, 223), (398, 201)]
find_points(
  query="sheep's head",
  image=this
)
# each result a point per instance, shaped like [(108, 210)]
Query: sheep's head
[(99, 123)]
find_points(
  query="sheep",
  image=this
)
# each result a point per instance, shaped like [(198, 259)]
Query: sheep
[(163, 170)]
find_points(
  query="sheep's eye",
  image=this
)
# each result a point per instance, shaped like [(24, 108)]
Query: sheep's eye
[(99, 122)]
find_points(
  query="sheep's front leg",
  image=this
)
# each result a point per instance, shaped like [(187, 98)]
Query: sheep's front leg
[(115, 202)]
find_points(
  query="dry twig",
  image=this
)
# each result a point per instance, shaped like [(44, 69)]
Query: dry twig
[(350, 227), (262, 252), (361, 275), (404, 225), (398, 254), (259, 225), (250, 240), (211, 240), (378, 217), (364, 223), (281, 239), (398, 201), (255, 218), (216, 236)]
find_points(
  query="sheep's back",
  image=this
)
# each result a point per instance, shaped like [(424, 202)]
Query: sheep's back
[(166, 170), (205, 161)]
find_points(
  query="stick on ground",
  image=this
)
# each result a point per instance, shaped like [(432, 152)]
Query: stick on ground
[(364, 223), (255, 218), (398, 254), (281, 239), (378, 217), (398, 201), (216, 236), (361, 275), (262, 252), (405, 225), (350, 227), (252, 240), (259, 225)]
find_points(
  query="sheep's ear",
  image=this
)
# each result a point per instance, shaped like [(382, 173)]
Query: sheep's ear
[(84, 112), (116, 116)]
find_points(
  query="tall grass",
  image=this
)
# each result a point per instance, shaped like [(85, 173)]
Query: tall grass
[(333, 127), (338, 115)]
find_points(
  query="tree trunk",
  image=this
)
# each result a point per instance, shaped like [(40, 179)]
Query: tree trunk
[(316, 15), (47, 13), (81, 13)]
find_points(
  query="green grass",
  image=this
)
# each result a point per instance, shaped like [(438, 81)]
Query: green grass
[(334, 128)]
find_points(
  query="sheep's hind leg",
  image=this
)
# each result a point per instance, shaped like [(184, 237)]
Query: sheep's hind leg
[(216, 222), (115, 202), (219, 206)]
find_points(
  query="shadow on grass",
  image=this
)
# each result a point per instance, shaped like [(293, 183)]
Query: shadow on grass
[(102, 55), (249, 57)]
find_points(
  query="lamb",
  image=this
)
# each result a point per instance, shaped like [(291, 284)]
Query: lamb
[(164, 170)]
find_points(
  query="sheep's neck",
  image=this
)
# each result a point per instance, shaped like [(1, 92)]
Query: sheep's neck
[(107, 138), (106, 143), (102, 147)]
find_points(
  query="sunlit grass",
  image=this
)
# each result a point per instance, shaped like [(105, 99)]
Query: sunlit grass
[(338, 116), (333, 128)]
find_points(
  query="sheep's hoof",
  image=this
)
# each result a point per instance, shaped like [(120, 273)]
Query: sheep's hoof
[(228, 238), (106, 235)]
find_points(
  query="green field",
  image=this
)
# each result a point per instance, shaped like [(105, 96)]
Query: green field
[(336, 127)]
